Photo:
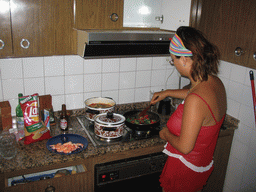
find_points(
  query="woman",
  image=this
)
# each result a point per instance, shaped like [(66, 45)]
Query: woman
[(193, 129)]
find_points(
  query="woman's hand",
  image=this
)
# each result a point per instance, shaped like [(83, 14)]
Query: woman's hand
[(175, 93), (163, 133), (158, 96)]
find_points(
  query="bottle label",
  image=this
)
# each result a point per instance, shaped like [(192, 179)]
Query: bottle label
[(63, 124), (20, 121)]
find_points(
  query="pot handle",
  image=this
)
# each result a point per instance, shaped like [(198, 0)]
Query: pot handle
[(109, 128), (92, 111), (110, 115)]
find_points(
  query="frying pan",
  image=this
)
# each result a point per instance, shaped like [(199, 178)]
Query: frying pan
[(142, 127)]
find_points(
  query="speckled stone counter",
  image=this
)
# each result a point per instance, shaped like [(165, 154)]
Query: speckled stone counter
[(37, 155)]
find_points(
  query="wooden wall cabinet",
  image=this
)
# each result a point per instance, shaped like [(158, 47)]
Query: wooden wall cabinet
[(101, 14), (37, 28), (229, 24)]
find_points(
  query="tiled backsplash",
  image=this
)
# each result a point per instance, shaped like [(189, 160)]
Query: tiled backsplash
[(71, 80)]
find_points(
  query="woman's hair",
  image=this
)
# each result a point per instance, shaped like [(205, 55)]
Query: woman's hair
[(205, 54)]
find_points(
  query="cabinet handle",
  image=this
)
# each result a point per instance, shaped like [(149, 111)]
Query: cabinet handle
[(2, 42), (158, 18), (254, 56), (114, 17), (24, 46), (239, 51)]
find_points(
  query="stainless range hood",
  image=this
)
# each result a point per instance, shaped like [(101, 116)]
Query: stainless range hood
[(123, 43)]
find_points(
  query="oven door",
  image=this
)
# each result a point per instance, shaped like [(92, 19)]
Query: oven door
[(135, 174)]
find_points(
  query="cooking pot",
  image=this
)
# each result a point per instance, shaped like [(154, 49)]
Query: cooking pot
[(109, 125), (142, 127), (91, 111)]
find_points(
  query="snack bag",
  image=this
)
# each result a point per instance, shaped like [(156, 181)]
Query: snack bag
[(35, 130)]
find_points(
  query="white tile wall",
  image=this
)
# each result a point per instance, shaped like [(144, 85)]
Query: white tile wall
[(241, 171), (54, 66), (127, 80), (73, 65), (71, 80)]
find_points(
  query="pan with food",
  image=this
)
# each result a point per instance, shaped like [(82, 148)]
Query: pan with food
[(146, 122)]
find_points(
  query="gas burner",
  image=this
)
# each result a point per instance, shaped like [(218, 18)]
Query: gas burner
[(141, 134), (138, 134), (108, 140)]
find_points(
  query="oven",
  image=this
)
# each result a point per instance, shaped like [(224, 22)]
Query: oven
[(133, 174)]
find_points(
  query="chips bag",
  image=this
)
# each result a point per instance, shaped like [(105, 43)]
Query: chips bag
[(35, 130)]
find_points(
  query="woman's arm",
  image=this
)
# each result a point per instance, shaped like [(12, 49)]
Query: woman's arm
[(176, 93), (192, 120)]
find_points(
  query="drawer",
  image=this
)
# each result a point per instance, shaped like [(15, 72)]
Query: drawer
[(39, 181)]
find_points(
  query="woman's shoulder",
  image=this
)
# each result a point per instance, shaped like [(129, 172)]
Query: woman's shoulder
[(213, 86), (209, 95)]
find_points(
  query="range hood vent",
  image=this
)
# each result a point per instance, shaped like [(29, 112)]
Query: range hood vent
[(123, 43)]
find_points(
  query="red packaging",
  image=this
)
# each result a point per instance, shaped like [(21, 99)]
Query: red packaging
[(35, 130)]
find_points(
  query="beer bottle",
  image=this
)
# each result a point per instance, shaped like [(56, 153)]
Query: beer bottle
[(64, 119)]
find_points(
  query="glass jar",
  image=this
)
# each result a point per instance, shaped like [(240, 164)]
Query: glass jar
[(8, 145)]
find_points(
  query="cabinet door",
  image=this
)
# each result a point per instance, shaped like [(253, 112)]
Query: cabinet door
[(65, 40), (243, 31), (32, 27), (252, 54), (175, 13), (92, 14), (251, 38), (229, 24), (141, 14), (221, 156), (5, 28)]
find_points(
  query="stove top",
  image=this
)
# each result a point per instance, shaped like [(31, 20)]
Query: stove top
[(129, 134)]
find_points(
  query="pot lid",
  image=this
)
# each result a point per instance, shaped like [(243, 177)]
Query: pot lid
[(110, 118)]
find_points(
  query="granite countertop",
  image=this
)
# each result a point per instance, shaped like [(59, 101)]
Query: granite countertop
[(37, 155)]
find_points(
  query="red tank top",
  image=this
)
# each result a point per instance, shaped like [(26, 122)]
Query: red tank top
[(202, 154)]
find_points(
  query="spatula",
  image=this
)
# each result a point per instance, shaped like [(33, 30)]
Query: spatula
[(142, 113)]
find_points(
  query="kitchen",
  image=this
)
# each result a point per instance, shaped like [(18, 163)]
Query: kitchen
[(76, 79)]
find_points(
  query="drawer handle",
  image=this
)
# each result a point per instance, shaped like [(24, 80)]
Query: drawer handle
[(2, 42), (114, 17), (239, 51), (24, 46), (254, 56), (50, 189)]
